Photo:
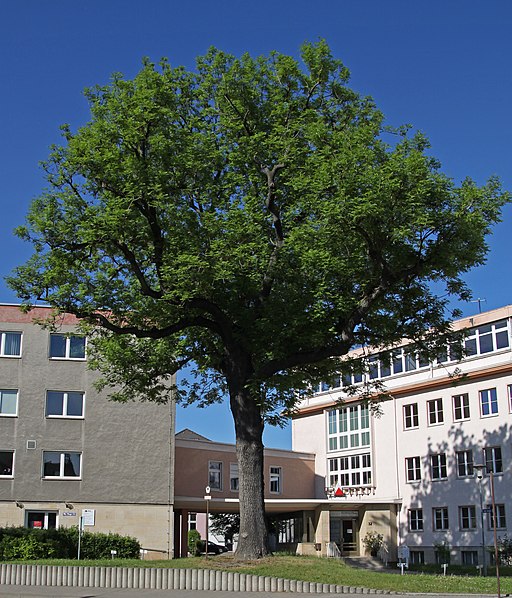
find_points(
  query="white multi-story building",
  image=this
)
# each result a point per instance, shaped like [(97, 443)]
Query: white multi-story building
[(419, 459)]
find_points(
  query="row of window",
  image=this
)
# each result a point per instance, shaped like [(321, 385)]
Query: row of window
[(467, 520), (461, 410), (55, 464), (58, 403), (62, 346), (467, 557), (493, 462), (477, 341), (350, 471), (348, 427), (215, 477)]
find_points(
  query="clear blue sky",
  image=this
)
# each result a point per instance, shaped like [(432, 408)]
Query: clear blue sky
[(443, 66)]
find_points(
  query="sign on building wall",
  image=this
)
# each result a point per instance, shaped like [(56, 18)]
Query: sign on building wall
[(88, 516)]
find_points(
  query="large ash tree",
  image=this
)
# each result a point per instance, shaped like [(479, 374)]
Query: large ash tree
[(253, 218)]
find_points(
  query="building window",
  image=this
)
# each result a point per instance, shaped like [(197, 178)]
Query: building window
[(469, 557), (41, 519), (192, 521), (493, 460), (509, 388), (465, 464), (488, 402), (10, 344), (461, 407), (353, 470), (435, 412), (415, 517), (500, 517), (440, 518), (487, 338), (438, 466), (412, 469), (62, 465), (417, 557), (233, 477), (275, 480), (6, 464), (8, 403), (411, 419), (67, 346), (215, 475), (348, 427), (64, 404), (467, 518)]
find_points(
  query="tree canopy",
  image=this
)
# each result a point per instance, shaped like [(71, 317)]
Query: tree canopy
[(255, 218)]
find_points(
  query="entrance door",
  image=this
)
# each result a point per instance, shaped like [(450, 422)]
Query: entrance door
[(348, 530)]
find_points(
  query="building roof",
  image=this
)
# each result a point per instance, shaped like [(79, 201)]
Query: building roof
[(187, 434)]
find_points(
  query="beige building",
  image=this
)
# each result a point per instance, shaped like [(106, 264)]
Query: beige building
[(412, 474)]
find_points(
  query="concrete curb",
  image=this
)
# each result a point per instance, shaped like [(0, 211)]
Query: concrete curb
[(163, 579)]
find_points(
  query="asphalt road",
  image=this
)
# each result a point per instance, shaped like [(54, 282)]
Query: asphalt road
[(14, 591)]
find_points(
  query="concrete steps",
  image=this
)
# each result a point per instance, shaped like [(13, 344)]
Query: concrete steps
[(365, 562)]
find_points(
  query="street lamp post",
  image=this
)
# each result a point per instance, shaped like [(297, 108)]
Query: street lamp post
[(495, 525), (479, 470)]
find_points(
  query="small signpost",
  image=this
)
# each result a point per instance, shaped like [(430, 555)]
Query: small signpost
[(207, 498), (403, 558)]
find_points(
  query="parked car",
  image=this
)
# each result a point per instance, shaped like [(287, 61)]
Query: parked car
[(212, 547)]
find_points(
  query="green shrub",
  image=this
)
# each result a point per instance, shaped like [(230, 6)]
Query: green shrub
[(27, 547), (193, 542), (20, 543)]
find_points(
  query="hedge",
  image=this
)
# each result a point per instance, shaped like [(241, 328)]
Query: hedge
[(21, 543)]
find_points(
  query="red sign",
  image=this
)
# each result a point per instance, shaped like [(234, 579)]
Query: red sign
[(38, 524), (339, 492)]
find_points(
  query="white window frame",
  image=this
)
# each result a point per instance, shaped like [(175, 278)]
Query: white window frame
[(465, 459), (493, 455), (9, 390), (443, 519), (487, 397), (412, 469), (348, 428), (61, 475), (65, 397), (467, 513), (214, 473), (67, 338), (461, 411), (493, 331), (351, 471), (234, 479), (11, 474), (45, 518), (192, 521), (411, 416), (275, 479), (3, 334), (500, 516), (469, 557), (415, 520), (435, 412), (417, 557), (438, 464)]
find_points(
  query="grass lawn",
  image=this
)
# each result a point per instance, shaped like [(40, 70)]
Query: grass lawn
[(320, 570)]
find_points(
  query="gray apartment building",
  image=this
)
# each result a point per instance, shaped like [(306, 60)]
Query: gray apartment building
[(67, 452)]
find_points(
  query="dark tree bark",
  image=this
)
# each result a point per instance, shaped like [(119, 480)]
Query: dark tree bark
[(249, 426)]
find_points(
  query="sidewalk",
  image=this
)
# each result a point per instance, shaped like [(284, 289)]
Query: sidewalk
[(15, 591)]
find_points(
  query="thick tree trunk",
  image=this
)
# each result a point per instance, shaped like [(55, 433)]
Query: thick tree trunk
[(252, 542)]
